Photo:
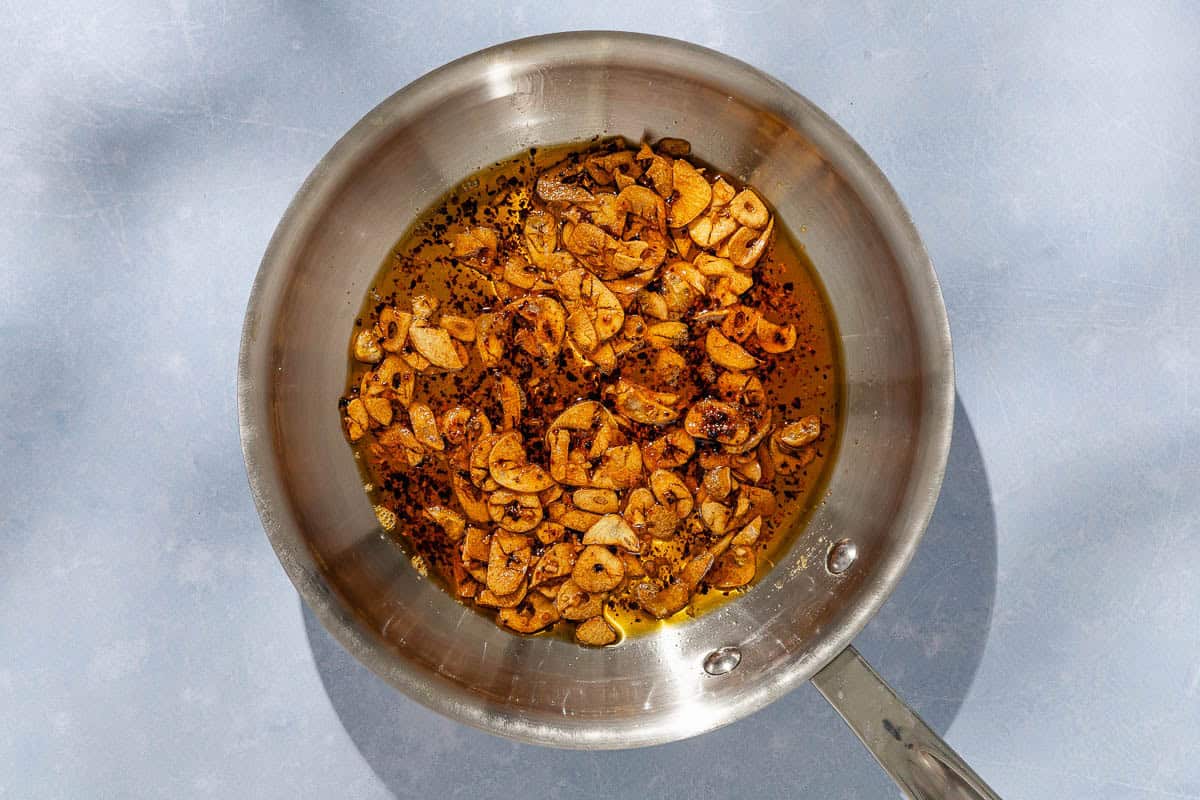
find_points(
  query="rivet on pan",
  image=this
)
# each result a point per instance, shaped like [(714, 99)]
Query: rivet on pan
[(723, 661), (841, 556)]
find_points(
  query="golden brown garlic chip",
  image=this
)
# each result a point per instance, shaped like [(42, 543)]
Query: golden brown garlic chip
[(550, 532), (511, 402), (540, 322), (761, 427), (692, 193), (595, 632), (435, 345), (747, 245), (573, 518), (460, 328), (489, 339), (453, 425), (357, 420), (786, 461), (552, 185), (514, 511), (612, 531), (392, 329), (797, 434), (378, 409), (555, 563), (476, 544), (735, 568), (508, 561), (715, 516), (394, 375), (669, 366), (597, 569), (597, 501), (470, 499), (742, 387), (639, 403), (536, 614), (741, 323), (749, 210), (718, 482), (660, 173), (541, 237), (671, 450), (774, 338), (584, 293), (489, 598), (424, 426), (620, 467), (712, 227), (509, 467), (575, 603), (646, 204), (481, 451), (366, 349), (718, 421), (450, 521), (398, 437), (672, 492), (727, 353), (667, 334), (475, 243)]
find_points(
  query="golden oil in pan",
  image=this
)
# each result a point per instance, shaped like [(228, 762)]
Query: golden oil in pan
[(806, 380)]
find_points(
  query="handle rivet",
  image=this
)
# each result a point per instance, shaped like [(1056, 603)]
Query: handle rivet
[(842, 554), (722, 661)]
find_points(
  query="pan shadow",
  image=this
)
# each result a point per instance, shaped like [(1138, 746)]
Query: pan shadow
[(927, 641)]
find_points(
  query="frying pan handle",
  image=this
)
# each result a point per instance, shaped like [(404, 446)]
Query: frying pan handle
[(917, 759)]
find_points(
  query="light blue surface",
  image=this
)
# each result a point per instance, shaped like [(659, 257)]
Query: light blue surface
[(150, 644)]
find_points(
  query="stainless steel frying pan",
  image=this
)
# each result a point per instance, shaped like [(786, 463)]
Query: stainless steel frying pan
[(797, 623)]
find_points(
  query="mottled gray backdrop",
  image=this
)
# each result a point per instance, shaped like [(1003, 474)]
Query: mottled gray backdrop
[(150, 644)]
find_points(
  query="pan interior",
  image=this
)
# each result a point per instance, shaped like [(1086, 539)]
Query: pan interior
[(409, 151)]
